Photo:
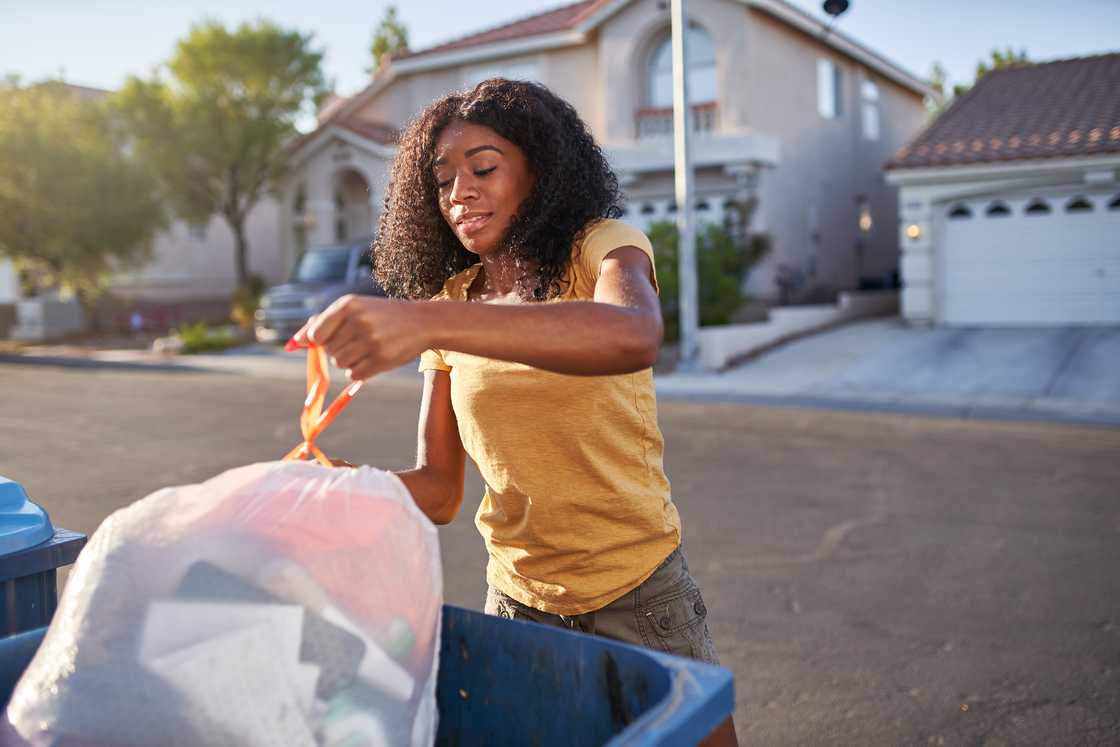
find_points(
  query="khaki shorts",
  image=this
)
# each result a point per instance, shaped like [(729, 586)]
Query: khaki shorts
[(665, 613)]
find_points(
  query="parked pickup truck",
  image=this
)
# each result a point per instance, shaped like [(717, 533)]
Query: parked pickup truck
[(322, 275)]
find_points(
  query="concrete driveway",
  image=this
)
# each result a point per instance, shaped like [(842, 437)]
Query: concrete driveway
[(1052, 373)]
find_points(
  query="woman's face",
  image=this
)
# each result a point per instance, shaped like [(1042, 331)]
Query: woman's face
[(482, 180)]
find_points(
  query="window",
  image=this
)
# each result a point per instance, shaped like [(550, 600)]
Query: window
[(997, 210), (1115, 204), (829, 89), (869, 96), (527, 70), (1079, 204), (960, 212), (648, 209), (701, 70), (365, 265), (1037, 207), (703, 205)]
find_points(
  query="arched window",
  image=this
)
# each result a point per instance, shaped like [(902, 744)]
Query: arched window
[(703, 205), (1079, 204), (671, 207), (648, 209), (701, 70), (1115, 204), (997, 210), (1037, 207), (960, 212)]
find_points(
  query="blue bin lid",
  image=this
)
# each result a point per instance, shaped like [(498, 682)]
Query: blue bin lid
[(22, 523)]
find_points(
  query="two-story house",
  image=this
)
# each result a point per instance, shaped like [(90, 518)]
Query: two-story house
[(783, 109)]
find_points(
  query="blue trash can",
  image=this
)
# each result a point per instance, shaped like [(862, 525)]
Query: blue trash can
[(31, 552), (505, 682)]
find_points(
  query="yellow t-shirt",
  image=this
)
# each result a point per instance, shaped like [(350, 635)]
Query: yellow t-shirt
[(577, 510)]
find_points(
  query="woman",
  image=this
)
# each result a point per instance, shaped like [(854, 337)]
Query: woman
[(537, 363)]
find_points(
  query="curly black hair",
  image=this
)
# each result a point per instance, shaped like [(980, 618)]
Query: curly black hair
[(416, 251)]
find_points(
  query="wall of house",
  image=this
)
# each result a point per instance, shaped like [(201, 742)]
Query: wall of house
[(197, 263), (811, 200), (9, 282)]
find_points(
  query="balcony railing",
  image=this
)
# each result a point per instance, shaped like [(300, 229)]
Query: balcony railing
[(652, 123)]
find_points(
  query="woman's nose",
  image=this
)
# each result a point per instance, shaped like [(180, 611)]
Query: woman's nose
[(462, 189)]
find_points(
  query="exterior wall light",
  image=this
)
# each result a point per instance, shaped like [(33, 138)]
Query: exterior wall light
[(865, 217), (913, 232)]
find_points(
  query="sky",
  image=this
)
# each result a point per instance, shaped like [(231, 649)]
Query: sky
[(101, 42)]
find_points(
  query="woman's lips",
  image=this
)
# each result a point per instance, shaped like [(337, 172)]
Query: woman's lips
[(473, 224)]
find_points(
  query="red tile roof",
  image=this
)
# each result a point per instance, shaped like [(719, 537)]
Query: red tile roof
[(560, 19), (1050, 110)]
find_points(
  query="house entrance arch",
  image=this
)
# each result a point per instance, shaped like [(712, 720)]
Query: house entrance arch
[(353, 206)]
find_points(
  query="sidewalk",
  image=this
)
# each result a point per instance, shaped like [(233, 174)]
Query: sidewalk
[(269, 361), (1046, 374), (1051, 374)]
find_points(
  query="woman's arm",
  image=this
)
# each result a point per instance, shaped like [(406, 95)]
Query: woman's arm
[(436, 483), (619, 332)]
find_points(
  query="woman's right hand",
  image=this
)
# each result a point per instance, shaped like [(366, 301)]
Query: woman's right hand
[(365, 336)]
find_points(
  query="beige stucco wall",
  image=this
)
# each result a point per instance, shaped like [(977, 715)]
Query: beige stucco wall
[(826, 164), (185, 267)]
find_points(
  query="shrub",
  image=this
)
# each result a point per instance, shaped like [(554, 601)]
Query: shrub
[(245, 302), (198, 338), (721, 265)]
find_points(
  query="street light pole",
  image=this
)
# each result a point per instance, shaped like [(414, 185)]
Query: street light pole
[(686, 227)]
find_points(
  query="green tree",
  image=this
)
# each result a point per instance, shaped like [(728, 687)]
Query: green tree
[(944, 93), (389, 37), (75, 207), (1007, 58), (215, 127), (722, 261)]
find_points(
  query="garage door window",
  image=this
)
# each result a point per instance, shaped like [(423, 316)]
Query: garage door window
[(1037, 207), (960, 212), (1079, 204), (998, 210)]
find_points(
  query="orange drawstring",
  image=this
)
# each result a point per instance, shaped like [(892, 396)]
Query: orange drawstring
[(313, 421)]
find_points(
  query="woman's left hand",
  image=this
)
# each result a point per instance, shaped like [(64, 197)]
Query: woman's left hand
[(365, 335)]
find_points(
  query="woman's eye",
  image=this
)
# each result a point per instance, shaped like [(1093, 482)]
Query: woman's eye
[(443, 184), (484, 172)]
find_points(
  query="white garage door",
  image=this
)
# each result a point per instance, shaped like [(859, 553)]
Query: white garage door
[(1041, 259)]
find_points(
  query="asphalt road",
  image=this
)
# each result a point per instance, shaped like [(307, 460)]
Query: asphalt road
[(871, 578)]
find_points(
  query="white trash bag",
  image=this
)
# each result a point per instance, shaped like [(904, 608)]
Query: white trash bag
[(282, 603), (287, 604)]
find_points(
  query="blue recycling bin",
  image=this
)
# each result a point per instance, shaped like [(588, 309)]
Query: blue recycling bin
[(505, 682), (31, 552)]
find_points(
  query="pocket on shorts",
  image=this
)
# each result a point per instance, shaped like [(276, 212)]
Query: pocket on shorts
[(677, 623)]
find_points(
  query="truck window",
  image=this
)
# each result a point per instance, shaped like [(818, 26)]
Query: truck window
[(322, 266)]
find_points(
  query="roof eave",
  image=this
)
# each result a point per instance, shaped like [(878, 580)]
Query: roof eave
[(841, 43), (316, 140), (480, 52), (910, 175)]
